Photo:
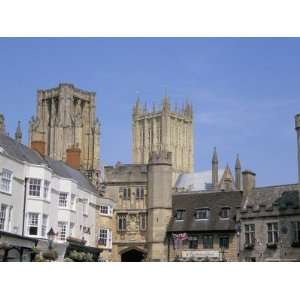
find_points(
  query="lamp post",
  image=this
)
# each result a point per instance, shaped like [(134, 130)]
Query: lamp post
[(51, 236)]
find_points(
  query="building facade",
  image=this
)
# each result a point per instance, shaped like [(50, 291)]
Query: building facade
[(38, 193), (66, 119), (203, 226), (164, 130), (142, 195)]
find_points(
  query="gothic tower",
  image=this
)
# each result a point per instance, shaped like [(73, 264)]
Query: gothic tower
[(163, 130), (66, 119), (2, 124)]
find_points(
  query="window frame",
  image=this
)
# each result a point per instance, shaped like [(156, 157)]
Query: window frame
[(193, 242), (60, 230), (61, 200), (221, 239), (179, 217), (273, 233), (46, 190), (198, 212), (33, 221), (227, 209), (33, 191), (6, 181), (44, 227), (249, 234), (3, 216), (123, 218), (210, 238)]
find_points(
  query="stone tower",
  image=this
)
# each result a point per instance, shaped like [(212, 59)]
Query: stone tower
[(163, 130), (66, 119), (159, 204), (297, 127)]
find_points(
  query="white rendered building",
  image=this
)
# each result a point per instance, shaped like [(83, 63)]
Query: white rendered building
[(38, 193)]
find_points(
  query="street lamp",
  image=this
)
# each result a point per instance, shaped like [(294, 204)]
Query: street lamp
[(51, 236)]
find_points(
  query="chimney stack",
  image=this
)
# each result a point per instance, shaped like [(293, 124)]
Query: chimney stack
[(73, 157), (248, 181), (39, 146), (297, 127)]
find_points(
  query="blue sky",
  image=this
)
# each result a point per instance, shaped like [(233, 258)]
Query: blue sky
[(245, 92)]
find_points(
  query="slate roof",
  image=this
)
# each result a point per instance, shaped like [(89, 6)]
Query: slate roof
[(198, 181), (212, 200), (281, 195), (24, 153)]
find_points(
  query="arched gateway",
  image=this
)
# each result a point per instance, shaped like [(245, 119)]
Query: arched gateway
[(133, 255)]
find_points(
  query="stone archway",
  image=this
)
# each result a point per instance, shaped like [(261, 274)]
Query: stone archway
[(133, 255)]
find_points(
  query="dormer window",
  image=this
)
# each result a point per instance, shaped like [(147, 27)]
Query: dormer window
[(202, 214), (179, 214), (224, 213)]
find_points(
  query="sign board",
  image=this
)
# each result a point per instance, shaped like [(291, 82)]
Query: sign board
[(201, 254)]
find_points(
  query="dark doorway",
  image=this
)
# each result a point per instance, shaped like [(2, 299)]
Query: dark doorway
[(132, 256)]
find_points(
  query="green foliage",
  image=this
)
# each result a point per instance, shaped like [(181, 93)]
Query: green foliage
[(50, 255), (39, 258), (80, 256)]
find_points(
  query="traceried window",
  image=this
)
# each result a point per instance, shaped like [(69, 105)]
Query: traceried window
[(224, 213), (224, 242), (34, 187), (249, 234), (62, 230), (122, 220), (63, 199), (139, 193), (296, 232), (143, 222), (33, 224), (202, 214), (6, 181), (46, 189), (2, 216), (208, 242), (126, 193), (44, 225), (272, 233), (179, 214)]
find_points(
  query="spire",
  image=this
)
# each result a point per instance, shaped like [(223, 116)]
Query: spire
[(215, 170), (215, 156), (2, 124), (238, 173), (237, 162), (137, 106), (145, 108), (166, 103), (18, 134)]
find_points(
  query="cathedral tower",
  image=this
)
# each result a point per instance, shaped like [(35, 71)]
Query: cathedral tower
[(163, 130), (66, 119)]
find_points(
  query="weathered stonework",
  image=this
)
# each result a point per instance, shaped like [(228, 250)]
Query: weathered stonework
[(66, 118), (164, 130)]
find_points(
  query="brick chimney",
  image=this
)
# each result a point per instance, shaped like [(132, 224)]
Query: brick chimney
[(248, 181), (73, 157), (39, 146)]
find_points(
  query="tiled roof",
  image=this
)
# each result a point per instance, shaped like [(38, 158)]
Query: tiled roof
[(212, 200), (281, 195), (24, 153)]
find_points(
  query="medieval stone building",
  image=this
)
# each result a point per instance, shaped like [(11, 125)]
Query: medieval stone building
[(66, 122), (164, 130)]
